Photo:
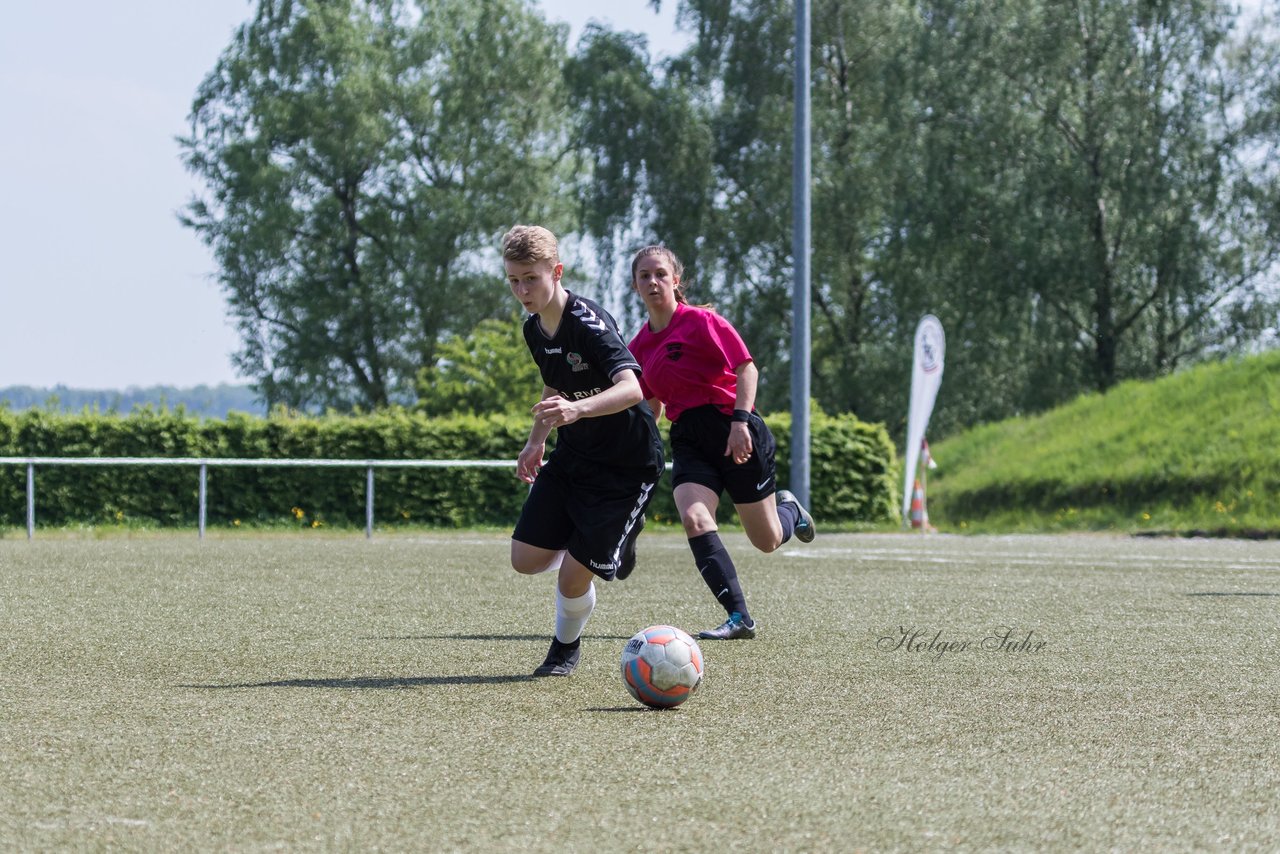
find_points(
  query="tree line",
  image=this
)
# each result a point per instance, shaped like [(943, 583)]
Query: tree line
[(208, 401), (1083, 191)]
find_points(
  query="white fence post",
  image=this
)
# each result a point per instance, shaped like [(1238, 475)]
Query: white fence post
[(204, 479), (368, 505), (31, 500)]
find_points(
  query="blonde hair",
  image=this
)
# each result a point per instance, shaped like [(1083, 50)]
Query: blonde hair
[(677, 268), (528, 243)]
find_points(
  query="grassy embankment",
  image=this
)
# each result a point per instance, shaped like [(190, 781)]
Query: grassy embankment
[(1194, 453)]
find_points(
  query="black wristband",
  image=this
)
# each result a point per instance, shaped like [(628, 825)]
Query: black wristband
[(741, 416)]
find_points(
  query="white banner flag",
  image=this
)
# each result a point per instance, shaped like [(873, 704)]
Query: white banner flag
[(926, 376)]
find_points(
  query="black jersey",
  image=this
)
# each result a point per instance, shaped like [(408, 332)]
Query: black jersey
[(580, 361)]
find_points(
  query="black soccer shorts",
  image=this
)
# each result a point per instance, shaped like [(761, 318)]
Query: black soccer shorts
[(590, 510), (698, 440)]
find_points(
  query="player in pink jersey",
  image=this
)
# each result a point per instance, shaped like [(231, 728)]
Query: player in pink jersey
[(696, 366)]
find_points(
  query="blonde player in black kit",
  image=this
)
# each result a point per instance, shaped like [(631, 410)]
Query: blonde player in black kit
[(587, 503)]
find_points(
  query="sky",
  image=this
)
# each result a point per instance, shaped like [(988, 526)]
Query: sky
[(100, 286)]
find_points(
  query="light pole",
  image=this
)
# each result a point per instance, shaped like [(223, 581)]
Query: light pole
[(800, 246)]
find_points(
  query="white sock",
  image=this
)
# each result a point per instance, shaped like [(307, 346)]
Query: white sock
[(572, 614)]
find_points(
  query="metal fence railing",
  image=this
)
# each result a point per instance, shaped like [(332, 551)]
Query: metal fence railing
[(206, 462)]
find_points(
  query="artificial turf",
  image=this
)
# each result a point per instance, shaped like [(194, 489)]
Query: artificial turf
[(255, 692)]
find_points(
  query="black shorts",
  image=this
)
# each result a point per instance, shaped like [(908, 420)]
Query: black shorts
[(592, 511), (698, 440)]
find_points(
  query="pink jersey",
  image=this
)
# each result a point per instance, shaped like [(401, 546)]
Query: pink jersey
[(692, 362)]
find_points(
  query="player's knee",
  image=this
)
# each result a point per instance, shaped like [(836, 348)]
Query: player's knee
[(764, 536), (525, 567), (531, 562), (766, 542), (698, 523)]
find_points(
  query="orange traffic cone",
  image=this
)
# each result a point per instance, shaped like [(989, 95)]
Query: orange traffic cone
[(919, 517)]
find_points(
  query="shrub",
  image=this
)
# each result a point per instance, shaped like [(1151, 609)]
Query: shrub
[(851, 469)]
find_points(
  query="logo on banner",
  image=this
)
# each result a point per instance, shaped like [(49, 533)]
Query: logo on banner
[(930, 350)]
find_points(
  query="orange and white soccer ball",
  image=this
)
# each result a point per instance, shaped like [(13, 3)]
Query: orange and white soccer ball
[(661, 666)]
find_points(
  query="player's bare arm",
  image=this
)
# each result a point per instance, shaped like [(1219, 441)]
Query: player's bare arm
[(530, 459), (624, 393), (740, 446)]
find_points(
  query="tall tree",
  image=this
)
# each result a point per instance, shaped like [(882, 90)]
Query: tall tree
[(1078, 188), (1137, 129), (645, 152), (712, 165), (361, 157)]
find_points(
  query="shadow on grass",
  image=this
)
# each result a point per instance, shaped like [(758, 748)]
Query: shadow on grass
[(611, 709), (1233, 594), (487, 637), (376, 682)]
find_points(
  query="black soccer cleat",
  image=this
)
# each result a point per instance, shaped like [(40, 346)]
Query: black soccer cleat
[(561, 659), (734, 628), (805, 530), (628, 559)]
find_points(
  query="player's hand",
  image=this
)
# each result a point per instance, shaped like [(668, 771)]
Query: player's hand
[(530, 461), (740, 446), (556, 412)]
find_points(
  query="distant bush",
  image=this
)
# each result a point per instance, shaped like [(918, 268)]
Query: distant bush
[(851, 469)]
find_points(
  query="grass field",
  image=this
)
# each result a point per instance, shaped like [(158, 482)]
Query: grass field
[(261, 692)]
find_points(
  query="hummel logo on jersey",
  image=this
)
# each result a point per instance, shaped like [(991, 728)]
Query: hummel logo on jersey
[(553, 351), (674, 351)]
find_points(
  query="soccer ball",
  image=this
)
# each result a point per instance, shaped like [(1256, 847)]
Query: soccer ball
[(661, 666)]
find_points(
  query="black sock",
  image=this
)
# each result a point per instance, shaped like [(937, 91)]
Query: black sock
[(789, 516), (719, 573)]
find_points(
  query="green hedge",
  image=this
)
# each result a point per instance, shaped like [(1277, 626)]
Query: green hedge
[(851, 469)]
